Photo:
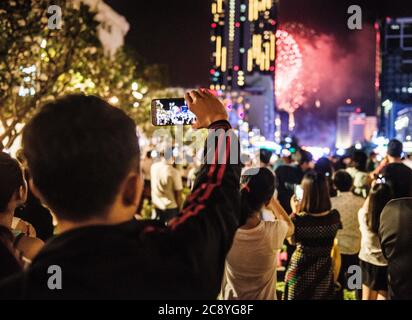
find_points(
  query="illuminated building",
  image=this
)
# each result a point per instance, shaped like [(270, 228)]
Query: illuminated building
[(403, 125), (393, 81), (351, 124), (243, 36), (243, 41)]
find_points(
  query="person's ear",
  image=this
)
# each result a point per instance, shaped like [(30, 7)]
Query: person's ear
[(132, 191), (22, 194)]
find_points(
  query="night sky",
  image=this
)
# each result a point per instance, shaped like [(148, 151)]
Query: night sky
[(176, 34)]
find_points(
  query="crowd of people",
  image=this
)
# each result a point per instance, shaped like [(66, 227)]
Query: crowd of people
[(72, 199)]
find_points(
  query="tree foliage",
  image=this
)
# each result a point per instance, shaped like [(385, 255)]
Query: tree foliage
[(38, 63)]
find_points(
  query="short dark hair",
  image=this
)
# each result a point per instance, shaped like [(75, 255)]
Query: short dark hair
[(11, 179), (342, 181), (256, 190), (304, 156), (379, 196), (265, 155), (324, 166), (79, 149), (359, 159), (395, 148), (316, 197)]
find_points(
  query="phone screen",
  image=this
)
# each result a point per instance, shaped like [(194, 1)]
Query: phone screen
[(298, 192), (170, 112)]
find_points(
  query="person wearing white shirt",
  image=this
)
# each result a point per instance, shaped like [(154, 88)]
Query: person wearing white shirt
[(372, 261), (166, 187), (250, 269), (349, 237)]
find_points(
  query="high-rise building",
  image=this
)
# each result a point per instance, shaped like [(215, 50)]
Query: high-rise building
[(243, 39), (393, 81)]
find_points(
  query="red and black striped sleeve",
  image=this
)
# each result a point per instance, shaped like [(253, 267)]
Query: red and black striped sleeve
[(204, 230)]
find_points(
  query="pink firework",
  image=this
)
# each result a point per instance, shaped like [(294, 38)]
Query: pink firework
[(288, 87)]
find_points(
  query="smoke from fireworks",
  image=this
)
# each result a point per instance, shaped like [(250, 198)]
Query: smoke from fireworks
[(317, 70)]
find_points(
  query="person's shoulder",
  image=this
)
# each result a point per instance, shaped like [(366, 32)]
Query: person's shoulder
[(275, 224), (333, 213), (397, 166), (12, 287), (399, 206), (31, 246), (299, 216)]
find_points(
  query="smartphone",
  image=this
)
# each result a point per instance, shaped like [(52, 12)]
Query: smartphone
[(298, 192), (171, 112)]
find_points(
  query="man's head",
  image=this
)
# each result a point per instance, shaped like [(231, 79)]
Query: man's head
[(13, 188), (395, 149), (264, 156), (83, 158), (359, 160), (342, 181), (305, 160)]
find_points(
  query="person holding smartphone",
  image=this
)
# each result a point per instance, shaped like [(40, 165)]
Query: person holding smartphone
[(83, 158)]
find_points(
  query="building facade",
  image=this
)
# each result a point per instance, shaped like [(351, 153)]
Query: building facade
[(243, 39), (351, 126)]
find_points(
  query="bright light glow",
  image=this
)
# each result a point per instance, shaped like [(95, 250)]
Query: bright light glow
[(43, 43), (340, 152), (136, 104), (317, 152), (387, 104), (401, 123), (23, 91), (29, 70), (113, 100), (137, 95), (135, 86), (358, 146)]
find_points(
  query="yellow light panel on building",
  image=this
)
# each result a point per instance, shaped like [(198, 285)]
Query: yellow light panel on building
[(272, 46), (214, 8), (224, 57), (218, 50), (219, 6), (251, 9)]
